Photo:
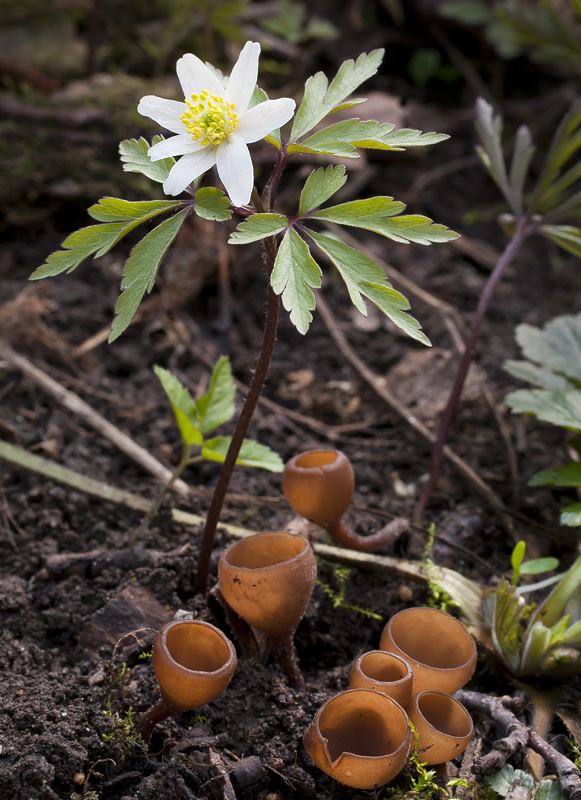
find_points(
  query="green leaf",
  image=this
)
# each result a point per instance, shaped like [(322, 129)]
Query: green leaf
[(549, 789), (566, 236), (516, 558), (364, 278), (217, 405), (321, 184), (521, 159), (569, 475), (141, 268), (251, 453), (259, 226), (259, 96), (134, 156), (539, 565), (555, 347), (338, 149), (113, 209), (118, 218), (504, 779), (294, 272), (558, 407), (489, 129), (211, 203), (571, 515), (564, 145), (320, 99), (183, 406), (378, 214), (542, 377), (369, 134)]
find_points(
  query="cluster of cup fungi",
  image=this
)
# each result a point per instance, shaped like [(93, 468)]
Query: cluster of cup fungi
[(362, 736)]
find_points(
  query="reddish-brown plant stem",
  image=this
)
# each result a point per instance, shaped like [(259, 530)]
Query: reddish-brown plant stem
[(262, 365), (283, 647), (149, 719), (523, 229)]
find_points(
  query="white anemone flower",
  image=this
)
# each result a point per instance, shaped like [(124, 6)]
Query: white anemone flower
[(214, 124)]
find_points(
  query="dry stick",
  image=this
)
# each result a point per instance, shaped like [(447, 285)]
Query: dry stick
[(523, 229), (379, 385), (519, 736), (455, 583), (73, 403)]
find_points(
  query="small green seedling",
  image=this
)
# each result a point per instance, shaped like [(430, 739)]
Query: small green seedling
[(534, 567)]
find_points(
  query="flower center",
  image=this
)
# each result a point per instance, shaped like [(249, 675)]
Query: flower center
[(209, 119)]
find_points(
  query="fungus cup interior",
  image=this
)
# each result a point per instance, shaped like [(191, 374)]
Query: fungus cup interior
[(361, 731), (193, 662), (319, 485), (265, 550), (451, 719), (443, 725), (384, 672), (440, 650)]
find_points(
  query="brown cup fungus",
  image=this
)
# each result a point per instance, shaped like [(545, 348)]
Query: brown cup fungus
[(443, 726), (268, 580), (385, 673), (439, 649), (319, 485), (360, 738), (193, 662)]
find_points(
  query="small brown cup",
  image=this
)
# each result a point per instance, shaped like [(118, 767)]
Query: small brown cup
[(360, 738), (439, 649), (193, 662), (385, 673), (443, 725), (319, 485)]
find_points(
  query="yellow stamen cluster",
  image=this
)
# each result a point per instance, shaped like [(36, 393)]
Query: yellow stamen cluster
[(209, 119)]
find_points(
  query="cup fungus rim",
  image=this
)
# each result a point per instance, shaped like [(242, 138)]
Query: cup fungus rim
[(416, 702), (322, 468), (409, 672), (161, 643), (277, 564), (405, 742), (473, 655)]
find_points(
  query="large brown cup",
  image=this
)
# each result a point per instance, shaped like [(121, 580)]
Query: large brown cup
[(443, 725), (360, 738), (439, 649)]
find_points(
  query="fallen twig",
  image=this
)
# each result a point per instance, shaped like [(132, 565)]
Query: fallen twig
[(380, 387), (518, 737)]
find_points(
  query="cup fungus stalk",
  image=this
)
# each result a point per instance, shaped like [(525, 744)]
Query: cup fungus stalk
[(268, 580), (443, 726), (439, 649), (193, 662), (319, 485), (360, 738)]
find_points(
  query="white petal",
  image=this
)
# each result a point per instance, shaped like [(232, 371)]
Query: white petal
[(195, 77), (259, 121), (235, 169), (242, 81), (166, 113), (188, 168), (175, 146)]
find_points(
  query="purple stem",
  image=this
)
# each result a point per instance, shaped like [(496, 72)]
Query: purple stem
[(523, 230), (149, 719)]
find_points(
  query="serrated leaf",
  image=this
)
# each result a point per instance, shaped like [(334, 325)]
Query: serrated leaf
[(558, 407), (542, 377), (321, 184), (211, 203), (568, 475), (571, 515), (338, 149), (216, 406), (118, 218), (504, 779), (113, 209), (295, 271), (320, 99), (369, 134), (556, 346), (251, 453), (141, 268), (548, 789), (364, 278), (566, 236), (378, 214), (134, 156), (183, 406), (259, 226)]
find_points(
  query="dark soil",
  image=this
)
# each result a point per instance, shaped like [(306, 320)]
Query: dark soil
[(75, 641)]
